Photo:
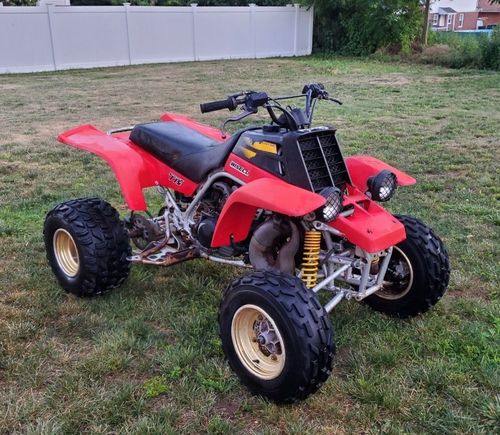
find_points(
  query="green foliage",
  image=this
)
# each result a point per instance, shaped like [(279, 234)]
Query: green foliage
[(95, 2), (241, 2), (177, 2), (464, 50), (490, 50), (19, 2), (360, 27), (155, 386)]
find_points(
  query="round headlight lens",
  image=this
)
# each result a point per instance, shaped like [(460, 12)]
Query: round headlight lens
[(333, 205), (382, 186)]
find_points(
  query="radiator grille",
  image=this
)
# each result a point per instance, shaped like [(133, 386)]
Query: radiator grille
[(323, 159)]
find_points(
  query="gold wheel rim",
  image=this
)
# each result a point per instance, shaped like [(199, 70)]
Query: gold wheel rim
[(66, 252), (258, 342), (390, 295)]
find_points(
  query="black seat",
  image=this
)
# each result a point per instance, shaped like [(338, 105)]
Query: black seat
[(187, 151)]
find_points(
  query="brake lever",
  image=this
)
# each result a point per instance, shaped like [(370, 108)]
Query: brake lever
[(335, 101), (235, 118), (240, 94), (237, 94)]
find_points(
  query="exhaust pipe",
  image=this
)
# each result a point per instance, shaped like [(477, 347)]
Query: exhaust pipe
[(261, 250)]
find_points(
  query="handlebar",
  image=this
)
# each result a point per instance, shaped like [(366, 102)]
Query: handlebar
[(291, 117), (229, 103), (251, 101)]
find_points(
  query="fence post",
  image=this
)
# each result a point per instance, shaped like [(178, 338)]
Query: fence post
[(310, 32), (296, 29), (50, 16), (127, 9), (253, 30), (193, 13)]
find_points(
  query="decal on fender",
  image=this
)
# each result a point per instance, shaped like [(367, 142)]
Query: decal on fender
[(239, 168), (175, 179)]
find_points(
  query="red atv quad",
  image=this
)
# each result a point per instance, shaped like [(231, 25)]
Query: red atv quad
[(278, 199)]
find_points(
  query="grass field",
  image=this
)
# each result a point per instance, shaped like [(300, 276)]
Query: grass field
[(147, 359)]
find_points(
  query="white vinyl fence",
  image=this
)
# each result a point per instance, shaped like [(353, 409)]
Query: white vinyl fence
[(48, 38)]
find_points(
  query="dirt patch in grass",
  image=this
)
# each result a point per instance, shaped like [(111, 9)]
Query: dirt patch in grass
[(7, 168), (467, 287), (227, 406), (166, 334), (480, 292), (186, 419), (393, 79)]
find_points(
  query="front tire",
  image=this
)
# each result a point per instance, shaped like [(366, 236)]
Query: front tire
[(87, 246), (418, 273), (276, 336)]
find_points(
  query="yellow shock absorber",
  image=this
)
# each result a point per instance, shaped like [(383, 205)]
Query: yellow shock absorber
[(310, 258)]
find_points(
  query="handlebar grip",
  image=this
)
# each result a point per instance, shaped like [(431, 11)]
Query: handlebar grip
[(230, 103)]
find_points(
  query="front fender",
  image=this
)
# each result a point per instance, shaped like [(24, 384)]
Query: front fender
[(363, 167), (239, 210)]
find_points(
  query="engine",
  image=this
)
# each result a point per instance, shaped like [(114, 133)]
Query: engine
[(207, 214)]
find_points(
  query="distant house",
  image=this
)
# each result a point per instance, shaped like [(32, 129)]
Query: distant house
[(463, 15)]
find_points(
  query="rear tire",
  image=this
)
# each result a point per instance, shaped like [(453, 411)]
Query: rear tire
[(87, 246), (276, 336), (418, 274)]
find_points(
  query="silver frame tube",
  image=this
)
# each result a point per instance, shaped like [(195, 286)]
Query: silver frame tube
[(339, 267), (330, 278)]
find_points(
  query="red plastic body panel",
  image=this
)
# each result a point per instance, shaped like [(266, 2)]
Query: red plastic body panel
[(370, 227), (363, 167), (191, 123), (134, 168), (266, 193)]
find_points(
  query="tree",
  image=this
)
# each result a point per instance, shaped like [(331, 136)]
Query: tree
[(425, 24), (19, 2), (360, 27)]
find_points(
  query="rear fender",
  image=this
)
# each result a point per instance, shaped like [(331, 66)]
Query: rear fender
[(363, 167), (134, 168), (239, 210)]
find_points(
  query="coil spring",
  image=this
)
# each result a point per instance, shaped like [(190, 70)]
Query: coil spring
[(310, 258)]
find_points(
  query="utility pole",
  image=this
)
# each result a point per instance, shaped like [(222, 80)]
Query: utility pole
[(425, 26)]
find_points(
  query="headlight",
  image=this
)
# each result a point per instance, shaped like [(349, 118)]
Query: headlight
[(382, 186), (333, 205)]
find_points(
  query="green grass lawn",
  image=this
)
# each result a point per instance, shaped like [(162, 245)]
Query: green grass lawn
[(147, 359)]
